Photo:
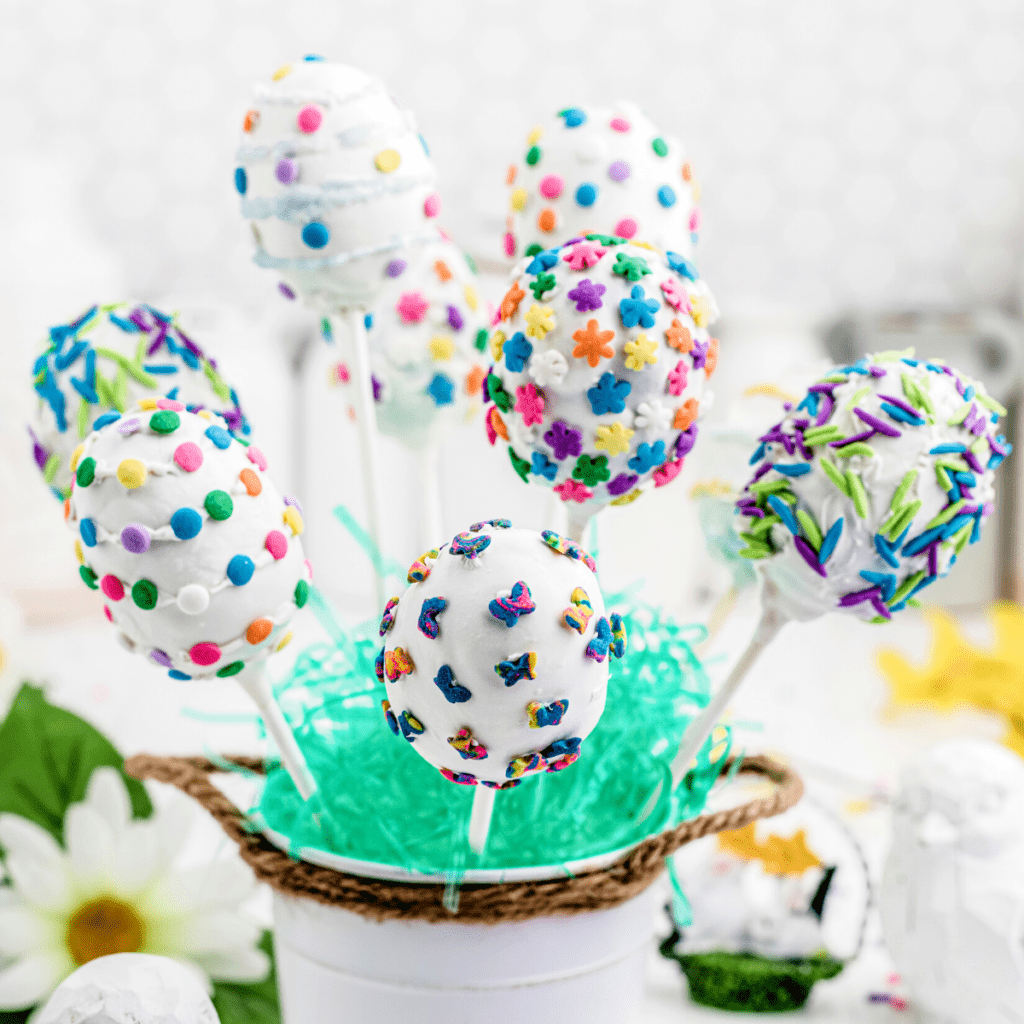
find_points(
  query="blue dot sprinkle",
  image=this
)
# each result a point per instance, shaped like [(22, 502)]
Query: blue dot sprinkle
[(175, 674), (105, 420), (219, 436), (368, 321), (316, 235), (241, 181), (423, 143), (240, 570), (186, 523), (574, 117), (312, 57), (667, 195), (586, 194), (88, 530)]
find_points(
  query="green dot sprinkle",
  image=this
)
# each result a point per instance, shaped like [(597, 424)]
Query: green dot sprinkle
[(533, 155), (164, 422), (301, 593), (219, 505), (88, 577), (86, 472), (660, 147), (144, 594), (231, 670)]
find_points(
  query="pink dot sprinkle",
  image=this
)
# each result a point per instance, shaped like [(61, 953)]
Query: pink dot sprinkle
[(309, 569), (626, 228), (310, 118), (510, 244), (695, 219), (205, 654), (189, 456), (112, 588), (432, 205), (257, 458), (277, 544), (620, 124), (551, 186), (167, 403), (106, 611)]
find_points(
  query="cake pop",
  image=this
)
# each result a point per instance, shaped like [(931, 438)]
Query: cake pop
[(865, 494), (496, 658), (602, 169), (601, 361), (187, 538), (107, 359)]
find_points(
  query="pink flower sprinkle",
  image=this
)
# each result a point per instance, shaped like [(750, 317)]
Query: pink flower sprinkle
[(676, 295), (188, 456), (627, 227), (310, 118), (167, 403), (205, 654), (677, 379), (341, 373), (510, 244), (277, 544), (583, 255), (573, 490), (112, 588), (530, 403), (411, 307), (551, 186), (667, 473), (257, 458)]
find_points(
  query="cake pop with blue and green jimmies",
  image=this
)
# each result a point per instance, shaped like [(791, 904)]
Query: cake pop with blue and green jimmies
[(106, 360), (871, 486)]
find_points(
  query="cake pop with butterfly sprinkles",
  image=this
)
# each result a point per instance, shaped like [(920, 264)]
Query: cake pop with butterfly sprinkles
[(496, 658), (603, 169), (105, 360), (600, 367)]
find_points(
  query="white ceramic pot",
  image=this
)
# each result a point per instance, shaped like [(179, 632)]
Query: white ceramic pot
[(336, 967)]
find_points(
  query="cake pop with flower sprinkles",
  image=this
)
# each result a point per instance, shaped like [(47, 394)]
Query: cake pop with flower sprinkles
[(182, 530), (496, 658), (428, 337), (601, 359), (334, 179), (870, 488), (105, 360), (603, 169)]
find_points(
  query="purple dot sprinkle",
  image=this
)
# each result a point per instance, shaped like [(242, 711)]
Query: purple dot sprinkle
[(619, 171), (135, 538), (377, 388), (161, 658), (41, 455), (396, 267), (285, 290), (289, 500), (455, 320), (286, 171), (130, 426)]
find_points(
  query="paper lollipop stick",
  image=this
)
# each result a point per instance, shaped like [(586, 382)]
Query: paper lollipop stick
[(197, 554), (496, 659), (864, 494)]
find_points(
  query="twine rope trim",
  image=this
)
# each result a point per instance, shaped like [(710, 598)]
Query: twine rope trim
[(478, 904)]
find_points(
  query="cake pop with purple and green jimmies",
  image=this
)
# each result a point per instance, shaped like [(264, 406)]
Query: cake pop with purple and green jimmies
[(600, 367), (106, 360), (196, 552)]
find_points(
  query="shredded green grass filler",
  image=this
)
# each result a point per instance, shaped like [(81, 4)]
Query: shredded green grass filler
[(385, 804)]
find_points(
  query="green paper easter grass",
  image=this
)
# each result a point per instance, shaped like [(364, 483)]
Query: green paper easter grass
[(389, 806)]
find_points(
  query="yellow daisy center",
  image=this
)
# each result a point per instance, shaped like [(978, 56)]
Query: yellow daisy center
[(102, 927)]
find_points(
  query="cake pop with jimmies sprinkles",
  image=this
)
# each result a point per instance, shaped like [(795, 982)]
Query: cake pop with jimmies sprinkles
[(105, 360), (605, 169), (601, 359), (197, 554), (334, 179)]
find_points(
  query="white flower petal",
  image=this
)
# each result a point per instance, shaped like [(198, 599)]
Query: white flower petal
[(239, 965), (89, 839), (135, 860), (216, 932), (173, 822), (30, 980), (22, 931), (108, 796), (20, 836), (35, 863), (218, 886)]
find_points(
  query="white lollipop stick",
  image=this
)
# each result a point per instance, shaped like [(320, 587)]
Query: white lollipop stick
[(480, 818), (429, 520), (578, 524), (367, 426), (703, 725), (255, 682)]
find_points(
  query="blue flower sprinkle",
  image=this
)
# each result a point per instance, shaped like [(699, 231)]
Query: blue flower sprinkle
[(681, 265), (638, 309), (647, 456), (517, 350), (441, 389), (544, 467), (542, 261), (609, 394)]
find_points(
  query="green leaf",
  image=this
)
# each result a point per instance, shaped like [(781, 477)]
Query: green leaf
[(47, 756), (248, 1004), (14, 1016)]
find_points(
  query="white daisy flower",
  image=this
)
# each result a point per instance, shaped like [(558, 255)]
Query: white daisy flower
[(113, 888), (549, 367)]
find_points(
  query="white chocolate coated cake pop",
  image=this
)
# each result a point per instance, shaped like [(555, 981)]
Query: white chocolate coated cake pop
[(334, 179), (428, 337), (106, 360), (185, 534), (604, 169), (496, 657), (601, 363), (868, 490)]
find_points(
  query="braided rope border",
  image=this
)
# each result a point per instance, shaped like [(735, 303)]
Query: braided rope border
[(478, 904)]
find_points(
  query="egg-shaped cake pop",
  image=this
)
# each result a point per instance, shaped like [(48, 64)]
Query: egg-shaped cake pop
[(601, 362), (428, 336), (334, 178), (871, 486), (183, 531), (496, 657), (604, 169), (106, 360)]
